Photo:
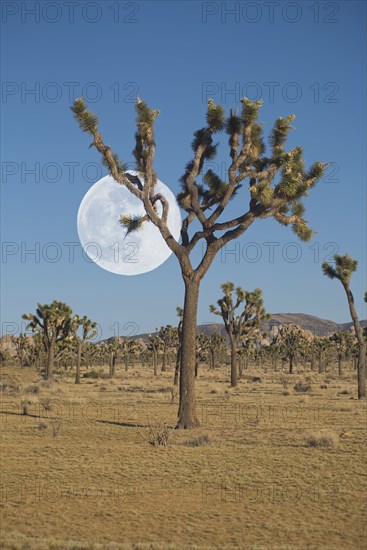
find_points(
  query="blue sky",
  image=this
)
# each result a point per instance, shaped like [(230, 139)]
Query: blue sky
[(304, 58)]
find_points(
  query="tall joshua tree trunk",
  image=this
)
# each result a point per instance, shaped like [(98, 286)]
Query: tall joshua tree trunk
[(290, 363), (164, 360), (234, 363), (187, 416), (78, 361), (361, 365), (177, 365), (112, 365), (51, 358)]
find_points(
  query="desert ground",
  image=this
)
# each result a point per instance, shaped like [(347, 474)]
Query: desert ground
[(270, 468)]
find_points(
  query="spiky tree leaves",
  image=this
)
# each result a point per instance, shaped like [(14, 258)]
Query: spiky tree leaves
[(239, 326), (343, 269), (53, 321), (131, 223), (205, 201)]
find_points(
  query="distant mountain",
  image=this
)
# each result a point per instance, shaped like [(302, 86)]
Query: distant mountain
[(316, 325)]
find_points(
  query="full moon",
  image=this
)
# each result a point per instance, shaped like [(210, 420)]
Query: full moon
[(105, 241)]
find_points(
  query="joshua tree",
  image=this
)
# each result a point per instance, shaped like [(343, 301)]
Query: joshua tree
[(53, 322), (291, 339), (154, 346), (129, 348), (114, 346), (217, 346), (168, 335), (179, 311), (344, 267), (88, 332), (342, 341), (201, 350), (21, 347), (246, 350), (206, 204), (240, 326), (320, 346)]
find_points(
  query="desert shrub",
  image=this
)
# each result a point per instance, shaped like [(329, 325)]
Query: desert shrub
[(213, 391), (42, 426), (322, 439), (286, 392), (33, 389), (158, 435), (9, 387), (47, 383), (24, 405), (254, 379), (56, 427), (302, 387), (91, 374), (137, 389), (46, 403), (285, 381), (197, 441), (344, 392)]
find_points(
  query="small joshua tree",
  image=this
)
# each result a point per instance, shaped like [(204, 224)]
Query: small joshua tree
[(342, 341), (344, 267), (243, 325), (154, 346), (179, 312), (88, 331), (168, 335), (217, 347), (291, 340), (206, 204)]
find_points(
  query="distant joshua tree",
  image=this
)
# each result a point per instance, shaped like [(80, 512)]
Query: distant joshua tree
[(88, 331), (154, 346), (291, 340), (179, 312), (114, 347), (206, 203), (217, 347), (168, 335), (344, 267), (239, 326), (343, 342), (53, 322)]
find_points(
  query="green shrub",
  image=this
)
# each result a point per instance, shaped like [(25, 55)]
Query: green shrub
[(302, 387)]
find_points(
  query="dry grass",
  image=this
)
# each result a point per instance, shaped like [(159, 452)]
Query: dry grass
[(91, 480)]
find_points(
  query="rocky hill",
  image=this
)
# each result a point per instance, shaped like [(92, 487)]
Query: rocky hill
[(316, 325)]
